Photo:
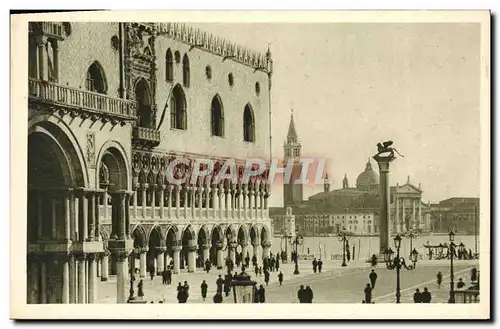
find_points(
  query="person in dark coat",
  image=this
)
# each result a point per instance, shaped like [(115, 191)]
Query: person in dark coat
[(204, 289), (266, 277), (301, 294), (186, 289), (218, 297), (254, 260), (439, 279), (315, 265), (182, 295), (262, 294), (373, 278), (426, 296), (368, 293), (280, 278), (208, 265), (227, 285), (140, 291), (179, 286), (373, 260), (308, 294), (164, 277), (255, 295), (152, 273), (169, 276), (247, 260), (219, 283), (277, 263), (320, 265), (460, 283), (417, 296)]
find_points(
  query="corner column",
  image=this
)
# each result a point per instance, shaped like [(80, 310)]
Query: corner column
[(160, 257)]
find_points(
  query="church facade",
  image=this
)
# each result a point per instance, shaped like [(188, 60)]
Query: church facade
[(352, 208), (111, 106)]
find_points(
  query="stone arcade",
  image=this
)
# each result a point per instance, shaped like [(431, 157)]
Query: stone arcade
[(98, 198)]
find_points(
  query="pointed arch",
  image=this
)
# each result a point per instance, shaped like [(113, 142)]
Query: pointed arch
[(188, 233), (96, 78), (217, 116), (139, 236), (169, 64), (178, 113), (143, 100), (156, 237), (248, 124), (185, 71)]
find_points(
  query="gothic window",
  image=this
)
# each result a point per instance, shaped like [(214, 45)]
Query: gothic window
[(185, 71), (217, 115), (178, 115), (96, 80), (248, 124), (169, 60), (143, 101)]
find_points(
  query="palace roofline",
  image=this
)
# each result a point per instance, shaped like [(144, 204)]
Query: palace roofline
[(225, 48)]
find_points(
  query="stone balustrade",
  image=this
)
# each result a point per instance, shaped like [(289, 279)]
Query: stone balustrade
[(78, 99)]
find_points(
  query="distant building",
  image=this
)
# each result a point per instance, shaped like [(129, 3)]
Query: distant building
[(360, 202), (458, 214)]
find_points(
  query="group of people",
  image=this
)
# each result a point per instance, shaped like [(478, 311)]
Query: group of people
[(369, 287), (305, 295), (317, 265)]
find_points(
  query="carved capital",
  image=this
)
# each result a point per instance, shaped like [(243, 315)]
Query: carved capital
[(193, 248), (161, 250), (176, 248)]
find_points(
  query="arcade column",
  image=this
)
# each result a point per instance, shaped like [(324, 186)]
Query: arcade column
[(177, 259), (160, 257), (206, 252)]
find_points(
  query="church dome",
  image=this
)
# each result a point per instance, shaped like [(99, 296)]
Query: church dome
[(368, 179)]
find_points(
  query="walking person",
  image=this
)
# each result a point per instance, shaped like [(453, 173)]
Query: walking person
[(368, 294), (309, 294), (280, 278), (373, 260), (373, 278), (439, 279), (152, 273), (140, 291), (262, 294), (426, 296), (266, 277), (301, 294), (315, 265), (164, 277), (169, 276), (417, 296), (320, 265), (219, 283), (204, 289)]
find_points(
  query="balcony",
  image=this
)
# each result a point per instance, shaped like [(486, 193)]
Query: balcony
[(77, 100), (146, 136), (50, 29)]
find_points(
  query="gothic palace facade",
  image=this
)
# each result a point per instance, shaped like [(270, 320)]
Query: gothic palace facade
[(110, 106)]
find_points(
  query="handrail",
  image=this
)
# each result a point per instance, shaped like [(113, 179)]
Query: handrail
[(87, 100)]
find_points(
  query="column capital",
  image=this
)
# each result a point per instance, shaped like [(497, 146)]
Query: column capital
[(176, 248), (141, 250), (106, 253), (192, 248), (41, 40), (81, 256), (205, 247)]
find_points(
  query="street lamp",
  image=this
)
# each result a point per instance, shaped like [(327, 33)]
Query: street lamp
[(451, 249), (411, 235), (298, 240), (344, 238), (399, 262), (243, 288), (440, 249)]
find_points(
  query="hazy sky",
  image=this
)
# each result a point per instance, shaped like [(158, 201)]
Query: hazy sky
[(353, 85)]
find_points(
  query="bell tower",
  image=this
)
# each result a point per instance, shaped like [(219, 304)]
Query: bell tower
[(293, 193)]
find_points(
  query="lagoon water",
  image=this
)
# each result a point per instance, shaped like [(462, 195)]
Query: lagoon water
[(366, 246)]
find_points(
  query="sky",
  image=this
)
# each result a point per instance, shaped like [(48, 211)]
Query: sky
[(352, 85)]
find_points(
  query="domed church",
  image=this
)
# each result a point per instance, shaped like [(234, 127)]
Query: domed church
[(407, 209)]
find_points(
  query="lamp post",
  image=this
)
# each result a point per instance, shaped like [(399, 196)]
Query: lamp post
[(243, 288), (399, 262), (344, 238), (411, 234), (297, 240), (451, 249)]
